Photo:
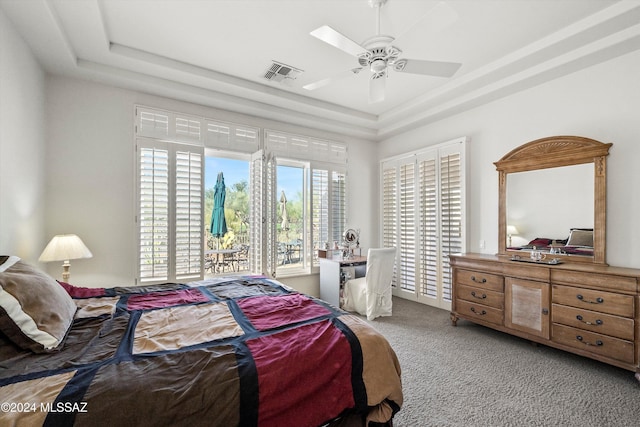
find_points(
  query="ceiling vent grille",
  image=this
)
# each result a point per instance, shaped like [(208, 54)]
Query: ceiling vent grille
[(278, 72)]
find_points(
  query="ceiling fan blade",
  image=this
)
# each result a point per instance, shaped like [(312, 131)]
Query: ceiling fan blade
[(429, 68), (377, 85), (324, 82), (336, 39)]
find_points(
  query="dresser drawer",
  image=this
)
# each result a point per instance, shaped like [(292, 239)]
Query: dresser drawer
[(589, 299), (479, 311), (477, 279), (620, 327), (480, 296), (602, 345)]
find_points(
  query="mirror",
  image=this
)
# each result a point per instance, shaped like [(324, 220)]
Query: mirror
[(548, 203), (548, 187)]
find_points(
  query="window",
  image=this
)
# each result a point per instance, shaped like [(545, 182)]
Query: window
[(171, 195), (423, 214), (170, 207), (312, 174)]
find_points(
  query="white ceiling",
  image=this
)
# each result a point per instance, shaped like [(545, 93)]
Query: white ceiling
[(216, 52)]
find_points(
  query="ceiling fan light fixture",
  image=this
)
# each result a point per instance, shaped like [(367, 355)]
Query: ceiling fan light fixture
[(378, 65)]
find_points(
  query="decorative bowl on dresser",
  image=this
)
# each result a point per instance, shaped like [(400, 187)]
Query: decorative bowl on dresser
[(571, 302)]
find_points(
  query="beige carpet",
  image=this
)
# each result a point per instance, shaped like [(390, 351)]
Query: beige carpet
[(474, 376)]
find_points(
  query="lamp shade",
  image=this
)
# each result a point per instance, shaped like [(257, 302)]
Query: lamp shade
[(64, 247), (512, 230)]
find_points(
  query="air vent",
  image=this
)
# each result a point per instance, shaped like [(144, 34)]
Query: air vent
[(278, 72)]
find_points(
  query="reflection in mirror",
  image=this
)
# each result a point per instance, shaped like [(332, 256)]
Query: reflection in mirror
[(548, 203)]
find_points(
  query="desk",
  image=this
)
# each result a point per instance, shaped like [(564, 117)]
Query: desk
[(335, 271), (218, 262)]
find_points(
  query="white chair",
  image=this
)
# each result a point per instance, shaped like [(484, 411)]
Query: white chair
[(371, 295)]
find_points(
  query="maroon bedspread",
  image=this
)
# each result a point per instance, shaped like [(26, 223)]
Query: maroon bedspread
[(247, 352)]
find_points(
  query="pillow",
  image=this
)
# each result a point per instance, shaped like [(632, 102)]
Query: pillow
[(580, 237), (77, 292), (35, 311), (540, 242)]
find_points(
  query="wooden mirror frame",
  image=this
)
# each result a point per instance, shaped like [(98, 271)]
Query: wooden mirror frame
[(554, 152)]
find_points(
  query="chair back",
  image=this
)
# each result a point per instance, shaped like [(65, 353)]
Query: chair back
[(380, 268), (378, 276)]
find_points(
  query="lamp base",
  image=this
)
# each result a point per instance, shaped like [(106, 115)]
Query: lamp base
[(65, 271)]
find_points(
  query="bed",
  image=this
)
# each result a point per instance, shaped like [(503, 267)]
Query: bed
[(579, 242), (243, 350)]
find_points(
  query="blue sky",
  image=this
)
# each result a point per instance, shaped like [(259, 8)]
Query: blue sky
[(289, 179)]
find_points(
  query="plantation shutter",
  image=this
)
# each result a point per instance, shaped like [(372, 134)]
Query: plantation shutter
[(338, 203), (407, 229), (320, 205), (262, 232), (423, 214), (271, 225), (452, 212), (257, 210), (390, 211), (170, 194), (328, 205), (325, 186), (428, 227), (188, 214), (153, 213)]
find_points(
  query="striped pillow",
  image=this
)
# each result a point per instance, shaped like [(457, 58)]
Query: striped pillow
[(35, 311)]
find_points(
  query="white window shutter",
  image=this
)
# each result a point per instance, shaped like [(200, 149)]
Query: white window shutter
[(298, 147), (452, 213), (390, 210), (428, 226), (257, 212), (153, 213), (271, 204), (423, 209), (407, 217), (338, 203), (189, 213), (320, 205), (230, 136), (152, 123), (170, 194)]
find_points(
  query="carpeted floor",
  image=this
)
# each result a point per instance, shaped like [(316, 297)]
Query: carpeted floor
[(474, 376)]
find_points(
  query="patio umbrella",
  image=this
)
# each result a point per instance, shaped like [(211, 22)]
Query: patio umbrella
[(218, 221), (283, 212)]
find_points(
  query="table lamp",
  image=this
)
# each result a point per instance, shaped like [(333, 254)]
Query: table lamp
[(65, 247), (511, 231)]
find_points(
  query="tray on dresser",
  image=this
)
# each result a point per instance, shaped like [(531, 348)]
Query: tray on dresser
[(553, 261)]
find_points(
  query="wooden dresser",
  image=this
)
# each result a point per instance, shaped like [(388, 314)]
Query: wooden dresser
[(588, 309)]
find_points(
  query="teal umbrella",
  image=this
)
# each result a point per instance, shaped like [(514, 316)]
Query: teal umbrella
[(218, 221)]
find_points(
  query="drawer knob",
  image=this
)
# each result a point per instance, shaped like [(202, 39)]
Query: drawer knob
[(598, 343), (479, 313), (598, 322), (483, 280), (473, 294), (598, 300)]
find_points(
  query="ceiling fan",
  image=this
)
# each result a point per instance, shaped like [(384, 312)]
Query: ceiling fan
[(378, 54)]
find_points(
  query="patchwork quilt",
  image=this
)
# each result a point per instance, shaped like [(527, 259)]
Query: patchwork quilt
[(241, 351)]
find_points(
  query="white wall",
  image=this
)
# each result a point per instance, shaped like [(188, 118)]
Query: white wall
[(91, 179), (600, 102), (22, 141)]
